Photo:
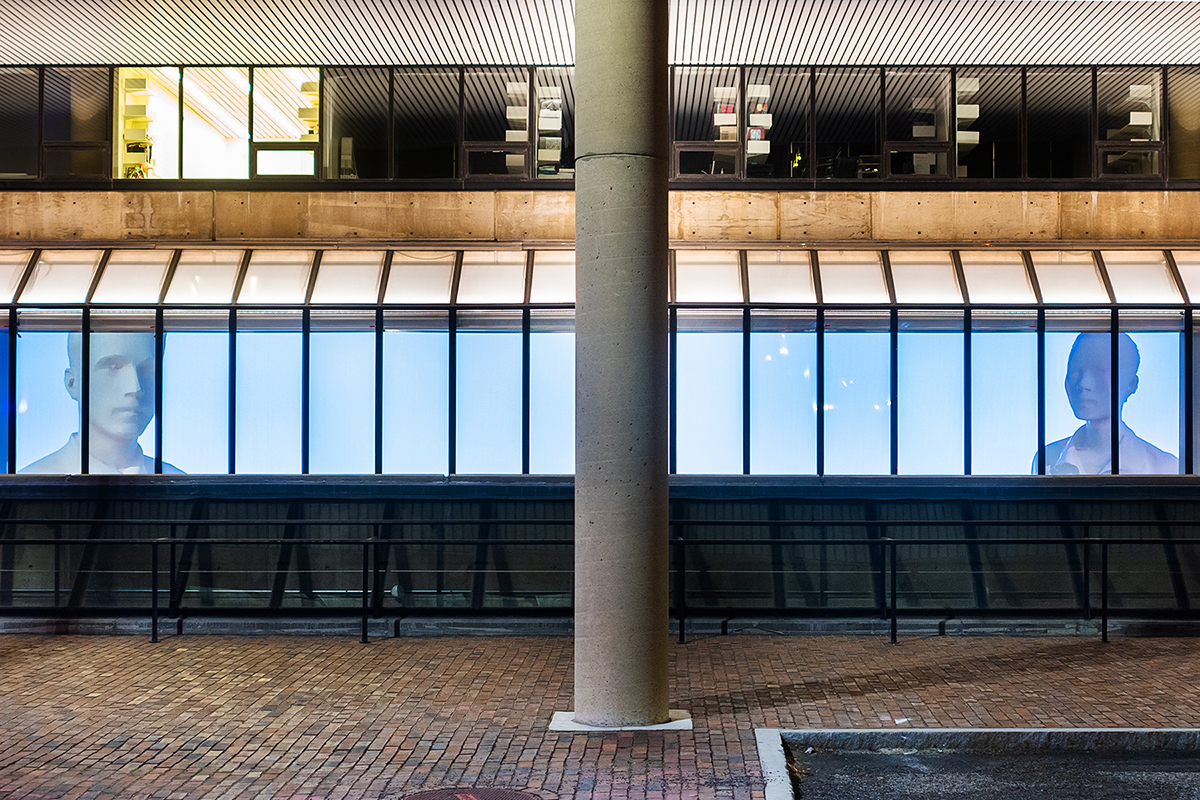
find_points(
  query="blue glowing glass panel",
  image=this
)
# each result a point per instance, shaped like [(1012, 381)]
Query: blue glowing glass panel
[(416, 400), (930, 396), (708, 400), (783, 399), (47, 415), (196, 401), (488, 400), (341, 397), (268, 402), (552, 402), (1004, 402), (857, 395)]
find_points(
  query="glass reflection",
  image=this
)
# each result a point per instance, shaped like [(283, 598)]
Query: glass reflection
[(783, 393), (708, 404), (552, 393)]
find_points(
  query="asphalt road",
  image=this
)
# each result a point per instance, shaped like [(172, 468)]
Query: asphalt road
[(930, 775)]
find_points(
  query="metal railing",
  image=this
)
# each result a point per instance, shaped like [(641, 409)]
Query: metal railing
[(883, 555)]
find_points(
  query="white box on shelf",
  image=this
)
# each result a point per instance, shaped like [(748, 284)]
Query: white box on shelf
[(724, 94), (515, 162), (310, 87), (924, 131), (138, 111), (923, 163), (549, 120), (757, 91), (306, 113), (967, 85), (968, 137), (549, 93), (520, 135), (517, 90), (136, 135), (517, 114), (724, 119), (758, 147), (1141, 91), (967, 111), (760, 120), (136, 85), (1141, 117)]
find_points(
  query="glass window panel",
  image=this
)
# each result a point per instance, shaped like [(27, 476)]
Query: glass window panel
[(1078, 390), (216, 122), (1059, 101), (133, 276), (930, 394), (706, 104), (996, 276), (12, 269), (988, 122), (1068, 277), (496, 162), (426, 109), (19, 121), (121, 398), (553, 277), (277, 276), (1149, 352), (777, 122), (707, 276), (707, 161), (285, 162), (76, 104), (852, 276), (555, 101), (857, 394), (1004, 384), (1183, 84), (4, 386), (269, 366), (355, 115), (61, 276), (1129, 99), (341, 393), (420, 277), (204, 276), (147, 122), (918, 162), (196, 391), (496, 104), (847, 123), (552, 392), (348, 276), (1188, 263), (918, 105), (780, 276), (416, 358), (783, 393), (1140, 276), (708, 398), (1129, 162), (76, 162), (924, 276), (488, 403), (48, 393), (492, 276), (285, 104)]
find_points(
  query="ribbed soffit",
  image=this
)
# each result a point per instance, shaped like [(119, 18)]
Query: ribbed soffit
[(331, 32)]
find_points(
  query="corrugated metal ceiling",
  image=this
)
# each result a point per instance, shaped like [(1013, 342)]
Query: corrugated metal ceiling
[(330, 32)]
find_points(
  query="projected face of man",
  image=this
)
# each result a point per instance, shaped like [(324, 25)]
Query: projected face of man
[(1089, 376), (121, 394)]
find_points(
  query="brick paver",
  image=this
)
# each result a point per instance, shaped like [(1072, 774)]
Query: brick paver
[(298, 718)]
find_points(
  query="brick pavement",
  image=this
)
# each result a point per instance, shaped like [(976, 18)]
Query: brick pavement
[(298, 718)]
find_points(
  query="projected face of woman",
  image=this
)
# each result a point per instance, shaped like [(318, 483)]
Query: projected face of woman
[(121, 401), (1089, 376)]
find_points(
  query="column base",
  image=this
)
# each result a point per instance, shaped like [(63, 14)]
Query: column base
[(565, 721)]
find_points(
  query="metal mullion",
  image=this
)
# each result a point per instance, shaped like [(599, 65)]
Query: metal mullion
[(815, 264), (85, 395), (1176, 276), (1189, 393), (812, 124), (525, 341), (172, 268), (1114, 393), (885, 163), (115, 144), (41, 149), (1164, 124), (385, 275), (322, 128), (894, 390), (159, 342), (820, 390), (26, 275), (888, 280), (305, 377), (961, 276), (456, 276), (673, 430), (531, 132), (744, 275), (746, 321), (313, 271), (528, 276), (391, 128), (1024, 125), (179, 142), (252, 167), (11, 416), (743, 118), (1031, 274), (243, 268), (1103, 272), (232, 412), (966, 390), (1095, 123), (1041, 380), (98, 274), (952, 123), (462, 123), (379, 390), (452, 392)]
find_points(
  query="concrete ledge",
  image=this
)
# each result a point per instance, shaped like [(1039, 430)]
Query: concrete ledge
[(1003, 741), (564, 721)]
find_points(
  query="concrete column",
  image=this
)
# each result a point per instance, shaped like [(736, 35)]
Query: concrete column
[(621, 437)]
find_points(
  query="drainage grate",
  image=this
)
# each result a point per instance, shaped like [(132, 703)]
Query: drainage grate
[(472, 793)]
